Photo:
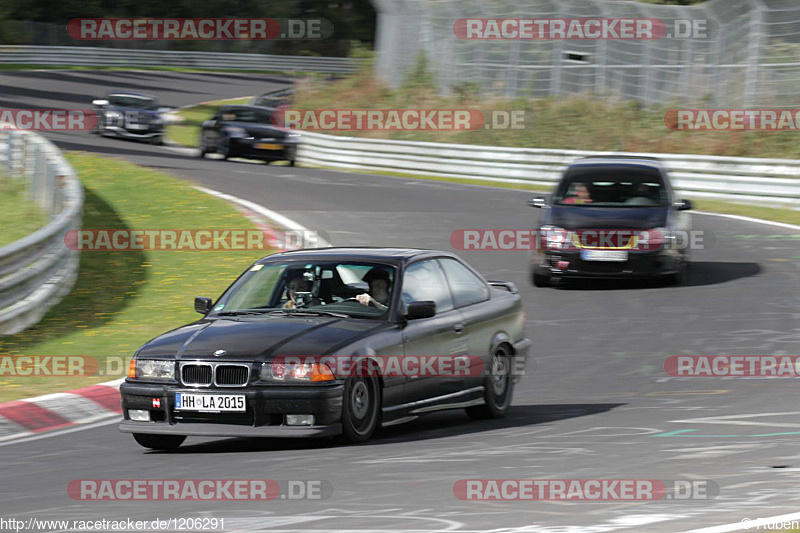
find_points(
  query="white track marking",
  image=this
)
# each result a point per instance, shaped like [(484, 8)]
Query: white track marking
[(279, 219), (736, 420), (749, 524), (750, 219)]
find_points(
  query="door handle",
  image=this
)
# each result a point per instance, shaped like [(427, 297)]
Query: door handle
[(459, 328)]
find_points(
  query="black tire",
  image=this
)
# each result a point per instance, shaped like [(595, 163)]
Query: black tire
[(679, 277), (158, 140), (203, 150), (159, 442), (225, 149), (498, 387), (361, 408), (540, 280)]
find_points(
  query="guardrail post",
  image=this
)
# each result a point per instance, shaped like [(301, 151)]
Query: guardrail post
[(39, 175)]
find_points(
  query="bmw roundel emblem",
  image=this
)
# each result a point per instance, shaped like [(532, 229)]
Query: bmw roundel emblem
[(220, 352)]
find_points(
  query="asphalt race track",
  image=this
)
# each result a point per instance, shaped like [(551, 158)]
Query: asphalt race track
[(597, 403)]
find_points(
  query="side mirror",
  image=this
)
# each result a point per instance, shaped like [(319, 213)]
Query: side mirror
[(202, 305), (100, 102), (537, 202), (418, 310), (685, 205)]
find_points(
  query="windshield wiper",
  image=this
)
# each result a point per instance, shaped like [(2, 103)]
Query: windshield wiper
[(312, 312), (242, 312)]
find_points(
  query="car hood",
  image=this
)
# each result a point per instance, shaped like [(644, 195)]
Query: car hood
[(259, 339), (581, 217), (134, 110)]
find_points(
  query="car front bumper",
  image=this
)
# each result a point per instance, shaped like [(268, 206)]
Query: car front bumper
[(265, 415), (139, 134), (568, 264)]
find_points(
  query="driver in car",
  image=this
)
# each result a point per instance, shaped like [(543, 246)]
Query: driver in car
[(378, 295), (580, 195)]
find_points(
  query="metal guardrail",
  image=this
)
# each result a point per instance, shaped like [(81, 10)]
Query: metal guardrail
[(758, 181), (120, 57), (36, 272)]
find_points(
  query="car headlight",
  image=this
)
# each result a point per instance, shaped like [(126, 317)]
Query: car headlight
[(157, 121), (555, 238), (151, 369), (296, 372)]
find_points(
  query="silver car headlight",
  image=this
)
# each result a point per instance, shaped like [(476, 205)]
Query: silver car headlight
[(154, 369)]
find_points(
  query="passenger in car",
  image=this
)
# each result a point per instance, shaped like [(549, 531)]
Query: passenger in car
[(295, 285)]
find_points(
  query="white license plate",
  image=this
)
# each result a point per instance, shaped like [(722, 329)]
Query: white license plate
[(210, 403), (137, 126), (604, 255)]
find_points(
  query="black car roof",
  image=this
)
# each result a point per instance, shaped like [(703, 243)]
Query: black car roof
[(619, 161), (357, 253), (128, 93)]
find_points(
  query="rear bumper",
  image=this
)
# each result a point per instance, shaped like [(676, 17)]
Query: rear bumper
[(265, 414), (522, 349), (247, 148)]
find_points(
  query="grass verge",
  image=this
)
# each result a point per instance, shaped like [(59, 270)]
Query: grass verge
[(124, 298), (19, 215), (186, 133)]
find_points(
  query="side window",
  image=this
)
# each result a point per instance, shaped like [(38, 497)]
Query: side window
[(425, 281), (467, 288)]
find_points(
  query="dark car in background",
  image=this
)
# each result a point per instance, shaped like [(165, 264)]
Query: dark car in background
[(275, 99), (229, 374), (247, 131), (612, 217), (130, 115)]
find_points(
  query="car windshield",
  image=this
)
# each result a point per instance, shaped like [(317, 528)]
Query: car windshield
[(315, 287), (137, 102), (612, 187), (258, 116)]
